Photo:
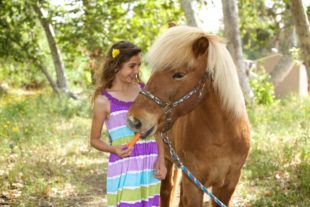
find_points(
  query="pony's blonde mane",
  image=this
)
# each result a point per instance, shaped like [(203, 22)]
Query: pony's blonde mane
[(173, 49)]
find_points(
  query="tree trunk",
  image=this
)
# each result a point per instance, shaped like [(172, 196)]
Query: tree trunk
[(189, 12), (58, 64), (232, 33), (47, 75), (303, 33)]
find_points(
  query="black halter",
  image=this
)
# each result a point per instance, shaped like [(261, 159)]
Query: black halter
[(167, 107)]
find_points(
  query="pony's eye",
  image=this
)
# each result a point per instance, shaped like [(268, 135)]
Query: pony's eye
[(178, 75)]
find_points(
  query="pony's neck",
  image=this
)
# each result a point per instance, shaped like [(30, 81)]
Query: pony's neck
[(211, 112), (209, 117)]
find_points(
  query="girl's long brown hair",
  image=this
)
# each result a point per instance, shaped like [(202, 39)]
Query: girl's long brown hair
[(106, 73)]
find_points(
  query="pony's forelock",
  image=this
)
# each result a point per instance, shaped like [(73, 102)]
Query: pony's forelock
[(168, 51), (173, 49)]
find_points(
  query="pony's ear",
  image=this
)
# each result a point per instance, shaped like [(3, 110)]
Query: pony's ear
[(171, 24), (200, 46)]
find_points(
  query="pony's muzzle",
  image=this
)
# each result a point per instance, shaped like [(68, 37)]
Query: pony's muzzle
[(134, 123)]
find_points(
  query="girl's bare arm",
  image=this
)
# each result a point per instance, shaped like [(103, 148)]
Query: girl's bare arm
[(160, 164), (160, 145), (100, 114)]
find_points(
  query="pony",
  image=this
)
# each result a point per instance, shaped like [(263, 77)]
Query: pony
[(193, 96)]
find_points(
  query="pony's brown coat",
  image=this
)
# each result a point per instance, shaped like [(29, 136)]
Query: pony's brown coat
[(211, 136)]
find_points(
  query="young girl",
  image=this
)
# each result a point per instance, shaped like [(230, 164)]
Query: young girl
[(133, 173)]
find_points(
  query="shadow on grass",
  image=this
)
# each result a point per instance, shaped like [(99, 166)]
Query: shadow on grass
[(91, 191)]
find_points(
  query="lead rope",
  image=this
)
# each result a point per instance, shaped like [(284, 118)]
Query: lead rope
[(176, 158)]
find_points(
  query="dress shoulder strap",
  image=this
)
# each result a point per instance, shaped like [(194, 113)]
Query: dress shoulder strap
[(141, 85)]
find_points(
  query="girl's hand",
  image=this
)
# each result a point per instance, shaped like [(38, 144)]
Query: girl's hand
[(122, 150), (160, 169)]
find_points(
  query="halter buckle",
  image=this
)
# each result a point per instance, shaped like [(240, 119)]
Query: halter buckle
[(167, 107)]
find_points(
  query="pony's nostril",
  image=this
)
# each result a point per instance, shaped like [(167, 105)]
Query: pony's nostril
[(134, 122), (137, 123)]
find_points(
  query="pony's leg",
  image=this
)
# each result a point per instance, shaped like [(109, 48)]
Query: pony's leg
[(167, 186), (191, 195), (225, 192)]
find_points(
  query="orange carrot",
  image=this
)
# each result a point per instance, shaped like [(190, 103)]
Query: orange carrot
[(134, 140)]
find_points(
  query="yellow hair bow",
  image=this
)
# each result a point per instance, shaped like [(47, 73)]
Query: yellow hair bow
[(115, 53)]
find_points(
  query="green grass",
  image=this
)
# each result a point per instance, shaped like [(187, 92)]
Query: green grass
[(46, 160), (277, 172), (44, 153)]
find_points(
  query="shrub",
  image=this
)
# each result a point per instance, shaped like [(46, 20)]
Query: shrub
[(263, 89)]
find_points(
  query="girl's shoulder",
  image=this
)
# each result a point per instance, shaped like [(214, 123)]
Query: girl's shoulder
[(102, 102), (101, 99)]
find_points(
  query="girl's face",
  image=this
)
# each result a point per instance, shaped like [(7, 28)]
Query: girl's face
[(130, 69)]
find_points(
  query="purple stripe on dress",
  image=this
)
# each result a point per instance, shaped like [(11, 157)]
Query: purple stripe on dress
[(152, 202), (117, 120), (116, 104), (139, 164), (139, 149)]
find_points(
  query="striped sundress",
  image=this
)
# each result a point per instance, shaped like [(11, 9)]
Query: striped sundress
[(130, 180)]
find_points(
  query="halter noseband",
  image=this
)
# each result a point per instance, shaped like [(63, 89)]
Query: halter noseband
[(167, 107)]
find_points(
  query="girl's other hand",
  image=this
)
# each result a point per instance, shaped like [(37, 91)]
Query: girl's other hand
[(160, 170), (122, 151)]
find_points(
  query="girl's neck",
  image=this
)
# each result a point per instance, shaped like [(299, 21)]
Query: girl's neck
[(119, 85), (124, 91)]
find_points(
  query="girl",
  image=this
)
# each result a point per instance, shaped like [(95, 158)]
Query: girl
[(133, 173)]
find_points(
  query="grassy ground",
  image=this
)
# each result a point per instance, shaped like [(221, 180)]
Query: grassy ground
[(277, 172), (45, 158)]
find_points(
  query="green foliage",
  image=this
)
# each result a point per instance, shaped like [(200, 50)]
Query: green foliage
[(295, 53), (94, 25), (21, 43), (83, 31), (263, 89), (105, 22), (20, 115), (261, 23), (18, 39), (21, 75), (308, 11)]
